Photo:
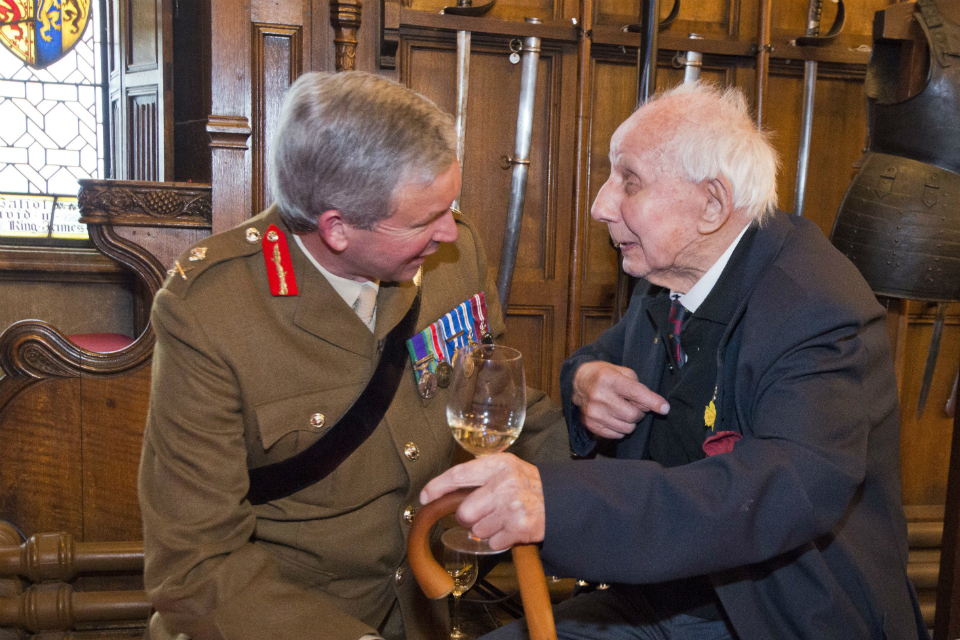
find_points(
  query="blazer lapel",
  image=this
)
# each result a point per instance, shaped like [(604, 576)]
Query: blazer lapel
[(393, 302), (645, 353)]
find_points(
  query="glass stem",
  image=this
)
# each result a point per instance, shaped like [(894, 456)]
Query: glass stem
[(456, 633)]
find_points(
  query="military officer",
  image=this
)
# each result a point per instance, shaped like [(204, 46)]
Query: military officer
[(297, 406)]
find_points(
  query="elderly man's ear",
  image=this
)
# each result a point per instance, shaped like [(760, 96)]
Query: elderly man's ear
[(719, 205), (333, 230)]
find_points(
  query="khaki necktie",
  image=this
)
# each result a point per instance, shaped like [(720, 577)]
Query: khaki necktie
[(366, 304)]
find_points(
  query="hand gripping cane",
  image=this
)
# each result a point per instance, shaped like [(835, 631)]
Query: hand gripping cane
[(437, 583)]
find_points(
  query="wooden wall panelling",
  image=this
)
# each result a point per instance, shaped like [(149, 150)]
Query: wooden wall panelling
[(613, 98), (143, 127), (508, 10), (540, 277), (319, 37), (708, 17), (229, 122), (142, 42), (581, 168), (924, 443), (531, 330), (593, 322), (837, 137), (258, 48), (277, 62)]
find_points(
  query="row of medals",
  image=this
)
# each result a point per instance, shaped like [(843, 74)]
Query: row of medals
[(431, 381)]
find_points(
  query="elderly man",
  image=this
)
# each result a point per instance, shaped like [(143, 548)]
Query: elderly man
[(747, 401), (298, 402)]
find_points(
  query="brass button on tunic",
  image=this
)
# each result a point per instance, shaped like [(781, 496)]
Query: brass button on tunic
[(411, 450)]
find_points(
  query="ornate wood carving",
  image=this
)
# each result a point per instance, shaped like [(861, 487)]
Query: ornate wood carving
[(172, 204), (345, 18), (32, 350)]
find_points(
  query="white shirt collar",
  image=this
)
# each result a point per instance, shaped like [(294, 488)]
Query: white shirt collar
[(348, 289), (698, 293)]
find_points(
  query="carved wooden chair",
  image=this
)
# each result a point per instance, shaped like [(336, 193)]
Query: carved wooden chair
[(72, 410)]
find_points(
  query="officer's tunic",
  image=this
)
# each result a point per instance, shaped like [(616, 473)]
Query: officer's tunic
[(243, 378)]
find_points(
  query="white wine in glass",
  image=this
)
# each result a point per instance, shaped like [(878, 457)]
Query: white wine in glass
[(462, 567), (486, 409)]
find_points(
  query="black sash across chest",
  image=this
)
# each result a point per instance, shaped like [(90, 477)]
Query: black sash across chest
[(316, 462)]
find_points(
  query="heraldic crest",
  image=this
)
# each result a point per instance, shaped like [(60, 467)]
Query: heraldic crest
[(40, 32)]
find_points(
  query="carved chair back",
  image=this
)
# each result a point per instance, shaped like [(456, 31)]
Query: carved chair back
[(71, 423)]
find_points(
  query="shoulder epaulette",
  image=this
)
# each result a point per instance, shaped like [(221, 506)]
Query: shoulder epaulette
[(238, 242)]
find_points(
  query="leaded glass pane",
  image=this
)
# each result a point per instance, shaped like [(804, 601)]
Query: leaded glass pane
[(51, 129)]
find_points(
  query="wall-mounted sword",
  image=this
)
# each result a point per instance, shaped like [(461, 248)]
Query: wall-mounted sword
[(520, 162), (814, 38), (464, 8), (649, 29)]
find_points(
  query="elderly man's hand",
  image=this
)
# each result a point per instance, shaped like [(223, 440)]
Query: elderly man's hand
[(611, 400), (507, 508)]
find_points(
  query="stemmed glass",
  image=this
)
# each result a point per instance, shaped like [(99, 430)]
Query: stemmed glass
[(462, 567), (486, 409)]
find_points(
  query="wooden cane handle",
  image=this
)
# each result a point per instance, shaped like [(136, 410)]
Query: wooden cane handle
[(437, 583)]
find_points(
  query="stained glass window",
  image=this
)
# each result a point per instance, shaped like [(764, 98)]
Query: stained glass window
[(51, 129)]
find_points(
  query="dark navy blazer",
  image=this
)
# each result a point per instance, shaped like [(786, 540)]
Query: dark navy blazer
[(800, 527)]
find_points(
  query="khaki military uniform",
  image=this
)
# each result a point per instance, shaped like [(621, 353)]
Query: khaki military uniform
[(243, 378)]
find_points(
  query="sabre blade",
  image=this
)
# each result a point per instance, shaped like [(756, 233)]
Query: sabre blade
[(814, 10), (931, 357)]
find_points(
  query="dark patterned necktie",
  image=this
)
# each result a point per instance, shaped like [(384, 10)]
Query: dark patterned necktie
[(678, 314)]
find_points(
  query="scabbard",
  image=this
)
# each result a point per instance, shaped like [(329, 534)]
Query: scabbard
[(647, 54), (521, 165), (692, 63)]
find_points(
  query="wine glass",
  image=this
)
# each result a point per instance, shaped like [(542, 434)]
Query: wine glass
[(462, 567), (486, 409)]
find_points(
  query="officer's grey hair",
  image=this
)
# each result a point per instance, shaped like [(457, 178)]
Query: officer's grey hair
[(347, 141), (715, 135)]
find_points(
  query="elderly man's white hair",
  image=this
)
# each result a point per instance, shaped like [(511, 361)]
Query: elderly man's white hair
[(714, 135)]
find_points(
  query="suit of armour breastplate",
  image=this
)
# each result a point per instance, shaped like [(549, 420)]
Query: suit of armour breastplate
[(900, 219)]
